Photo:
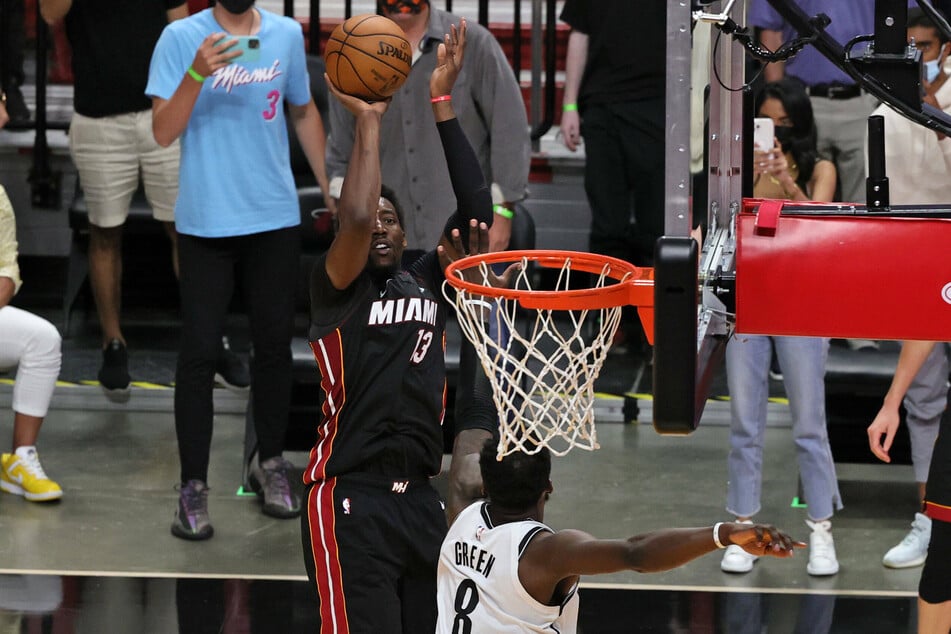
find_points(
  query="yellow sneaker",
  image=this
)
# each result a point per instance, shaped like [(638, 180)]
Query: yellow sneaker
[(22, 474)]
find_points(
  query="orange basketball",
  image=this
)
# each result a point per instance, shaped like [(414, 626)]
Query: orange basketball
[(368, 56)]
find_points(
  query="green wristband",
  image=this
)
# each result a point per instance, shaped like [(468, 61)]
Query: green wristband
[(503, 211), (570, 107), (194, 74)]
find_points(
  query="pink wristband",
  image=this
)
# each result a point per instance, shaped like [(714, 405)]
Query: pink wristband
[(441, 98)]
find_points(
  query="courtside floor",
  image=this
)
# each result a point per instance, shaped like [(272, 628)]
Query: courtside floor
[(106, 546)]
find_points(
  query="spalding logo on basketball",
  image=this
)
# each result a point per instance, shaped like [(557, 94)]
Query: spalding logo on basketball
[(368, 56)]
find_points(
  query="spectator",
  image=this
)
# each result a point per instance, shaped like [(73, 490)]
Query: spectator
[(489, 105), (792, 169), (502, 570), (12, 42), (916, 177), (33, 345), (373, 522), (841, 107), (618, 109), (237, 210), (934, 589), (111, 143)]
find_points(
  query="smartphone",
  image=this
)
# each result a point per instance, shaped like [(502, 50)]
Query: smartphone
[(249, 45), (763, 133)]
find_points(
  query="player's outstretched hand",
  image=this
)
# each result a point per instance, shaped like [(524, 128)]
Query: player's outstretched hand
[(449, 61), (356, 105), (478, 244), (759, 539)]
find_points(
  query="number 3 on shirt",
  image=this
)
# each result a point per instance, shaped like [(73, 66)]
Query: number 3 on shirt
[(423, 342), (273, 98), (467, 598)]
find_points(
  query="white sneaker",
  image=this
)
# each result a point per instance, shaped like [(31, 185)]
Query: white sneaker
[(735, 559), (822, 559), (913, 548)]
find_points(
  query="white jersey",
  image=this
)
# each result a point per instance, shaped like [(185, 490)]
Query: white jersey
[(479, 591)]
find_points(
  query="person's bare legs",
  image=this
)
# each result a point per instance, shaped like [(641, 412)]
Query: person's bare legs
[(105, 276), (26, 429), (934, 618)]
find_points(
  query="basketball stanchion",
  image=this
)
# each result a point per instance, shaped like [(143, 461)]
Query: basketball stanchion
[(543, 375)]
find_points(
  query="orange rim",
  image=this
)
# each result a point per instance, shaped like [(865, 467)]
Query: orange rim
[(637, 289)]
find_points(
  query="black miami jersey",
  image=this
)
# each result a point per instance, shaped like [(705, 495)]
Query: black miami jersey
[(380, 348)]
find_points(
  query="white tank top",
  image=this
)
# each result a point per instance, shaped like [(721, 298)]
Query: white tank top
[(478, 586)]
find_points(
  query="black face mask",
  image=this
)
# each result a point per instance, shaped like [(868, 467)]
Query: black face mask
[(784, 134), (236, 6)]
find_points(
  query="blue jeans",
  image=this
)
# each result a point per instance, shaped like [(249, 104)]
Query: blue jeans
[(802, 360)]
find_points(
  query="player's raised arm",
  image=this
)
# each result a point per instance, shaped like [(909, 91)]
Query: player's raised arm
[(357, 208), (473, 198)]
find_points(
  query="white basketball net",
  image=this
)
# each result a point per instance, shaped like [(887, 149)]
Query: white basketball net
[(546, 397)]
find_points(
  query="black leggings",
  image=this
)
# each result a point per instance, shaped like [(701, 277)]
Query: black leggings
[(268, 264)]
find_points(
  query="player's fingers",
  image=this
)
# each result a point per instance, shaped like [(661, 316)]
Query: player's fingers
[(473, 236), (457, 243), (330, 86), (461, 39), (484, 238), (510, 272), (441, 54)]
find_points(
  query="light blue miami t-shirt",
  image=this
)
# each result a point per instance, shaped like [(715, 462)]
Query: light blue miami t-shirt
[(235, 176)]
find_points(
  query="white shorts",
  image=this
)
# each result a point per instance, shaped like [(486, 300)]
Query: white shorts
[(109, 153)]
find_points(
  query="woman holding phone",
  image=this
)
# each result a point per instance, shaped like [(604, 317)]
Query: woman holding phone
[(792, 170), (791, 167)]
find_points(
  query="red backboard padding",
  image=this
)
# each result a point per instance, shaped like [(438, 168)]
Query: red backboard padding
[(845, 276)]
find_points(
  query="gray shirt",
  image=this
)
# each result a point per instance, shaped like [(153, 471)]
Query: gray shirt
[(489, 106)]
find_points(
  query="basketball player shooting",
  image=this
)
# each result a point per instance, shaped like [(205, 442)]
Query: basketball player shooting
[(372, 523), (480, 590)]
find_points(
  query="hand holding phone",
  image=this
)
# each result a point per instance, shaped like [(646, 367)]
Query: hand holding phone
[(248, 45), (764, 132)]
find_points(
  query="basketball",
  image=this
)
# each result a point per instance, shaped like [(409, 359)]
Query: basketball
[(368, 56)]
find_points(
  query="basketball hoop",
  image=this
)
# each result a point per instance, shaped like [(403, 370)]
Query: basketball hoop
[(543, 375)]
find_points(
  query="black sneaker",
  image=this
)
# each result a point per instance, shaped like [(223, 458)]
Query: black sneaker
[(191, 515), (114, 373), (16, 105), (269, 479), (230, 370)]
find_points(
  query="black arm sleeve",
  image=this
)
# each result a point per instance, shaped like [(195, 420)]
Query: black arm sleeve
[(475, 408), (468, 183)]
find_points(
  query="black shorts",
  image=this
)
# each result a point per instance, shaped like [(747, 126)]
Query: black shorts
[(371, 547), (935, 584), (938, 489)]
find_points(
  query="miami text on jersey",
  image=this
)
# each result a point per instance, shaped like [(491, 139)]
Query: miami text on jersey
[(394, 311), (233, 75)]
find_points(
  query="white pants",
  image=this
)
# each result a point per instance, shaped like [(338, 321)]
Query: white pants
[(33, 345)]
